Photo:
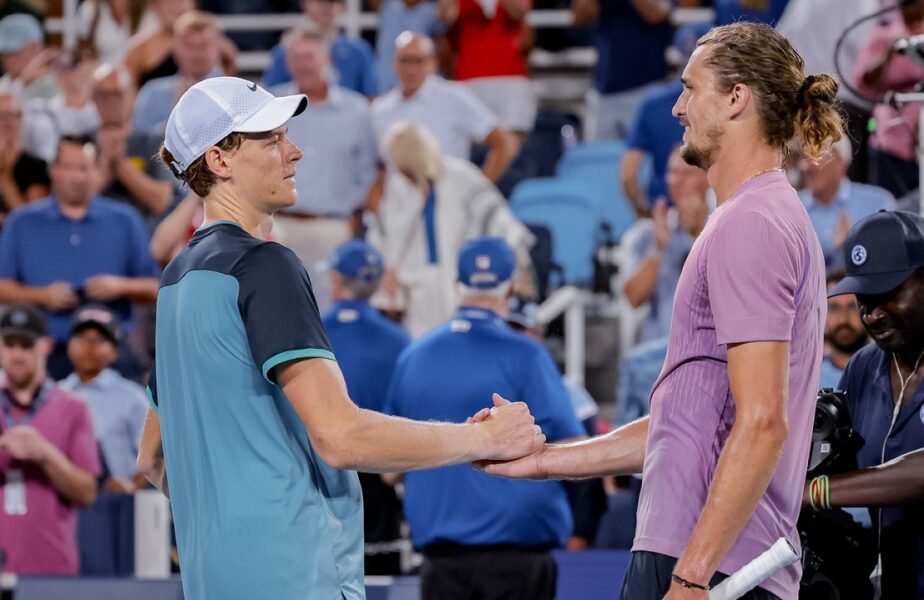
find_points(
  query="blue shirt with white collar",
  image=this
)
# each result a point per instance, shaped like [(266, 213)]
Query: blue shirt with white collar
[(448, 375), (352, 59), (39, 245), (857, 199), (367, 346), (117, 406), (871, 403)]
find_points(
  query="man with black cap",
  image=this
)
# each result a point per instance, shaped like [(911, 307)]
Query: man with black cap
[(117, 404), (884, 256), (48, 457), (367, 346), (483, 537)]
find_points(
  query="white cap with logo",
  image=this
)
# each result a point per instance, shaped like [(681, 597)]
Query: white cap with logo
[(216, 107)]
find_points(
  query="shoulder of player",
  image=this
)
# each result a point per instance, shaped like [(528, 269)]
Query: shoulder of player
[(270, 256)]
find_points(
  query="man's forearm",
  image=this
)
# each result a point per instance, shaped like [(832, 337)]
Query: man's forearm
[(503, 148), (140, 289), (744, 471), (639, 287), (12, 292), (74, 484), (620, 452), (899, 481), (153, 194)]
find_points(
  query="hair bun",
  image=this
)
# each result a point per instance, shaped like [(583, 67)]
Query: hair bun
[(820, 88)]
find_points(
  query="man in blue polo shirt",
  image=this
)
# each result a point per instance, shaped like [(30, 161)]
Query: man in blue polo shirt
[(367, 346), (884, 254), (483, 537), (249, 417), (73, 247), (352, 58)]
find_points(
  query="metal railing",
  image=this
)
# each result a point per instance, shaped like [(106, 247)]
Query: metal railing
[(570, 301)]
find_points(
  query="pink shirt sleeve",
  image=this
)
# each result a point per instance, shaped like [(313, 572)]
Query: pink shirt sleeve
[(82, 449), (752, 276)]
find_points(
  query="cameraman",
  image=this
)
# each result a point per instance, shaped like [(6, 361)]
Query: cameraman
[(884, 256)]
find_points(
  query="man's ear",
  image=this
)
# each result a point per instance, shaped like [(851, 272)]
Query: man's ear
[(218, 162), (739, 99)]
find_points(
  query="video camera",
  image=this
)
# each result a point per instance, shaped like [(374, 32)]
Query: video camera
[(837, 552)]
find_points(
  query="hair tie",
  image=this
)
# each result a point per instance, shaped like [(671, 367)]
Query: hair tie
[(801, 100)]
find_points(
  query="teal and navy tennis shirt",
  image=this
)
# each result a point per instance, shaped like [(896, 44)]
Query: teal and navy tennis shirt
[(257, 513)]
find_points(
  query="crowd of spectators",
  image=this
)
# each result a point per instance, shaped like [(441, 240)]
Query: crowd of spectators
[(404, 142)]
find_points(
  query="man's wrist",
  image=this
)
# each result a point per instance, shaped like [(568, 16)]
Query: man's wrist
[(689, 584), (655, 253)]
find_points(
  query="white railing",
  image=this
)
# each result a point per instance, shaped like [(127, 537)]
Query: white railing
[(569, 300)]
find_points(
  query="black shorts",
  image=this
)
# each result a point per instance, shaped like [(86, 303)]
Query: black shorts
[(649, 577)]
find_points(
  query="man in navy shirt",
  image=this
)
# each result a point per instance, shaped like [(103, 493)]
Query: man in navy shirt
[(76, 246), (884, 254), (639, 29), (483, 537), (249, 417), (367, 346)]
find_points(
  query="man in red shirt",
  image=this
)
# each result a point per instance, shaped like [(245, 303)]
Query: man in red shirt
[(492, 43), (48, 453)]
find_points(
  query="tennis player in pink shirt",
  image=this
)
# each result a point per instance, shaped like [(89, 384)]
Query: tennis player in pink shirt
[(725, 448)]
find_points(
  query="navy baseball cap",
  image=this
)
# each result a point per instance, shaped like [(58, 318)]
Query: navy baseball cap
[(23, 321), (99, 317), (358, 260), (485, 263), (881, 252)]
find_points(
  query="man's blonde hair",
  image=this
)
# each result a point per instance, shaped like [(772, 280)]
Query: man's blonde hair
[(414, 150)]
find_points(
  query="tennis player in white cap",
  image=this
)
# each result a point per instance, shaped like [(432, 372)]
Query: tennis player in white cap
[(250, 419)]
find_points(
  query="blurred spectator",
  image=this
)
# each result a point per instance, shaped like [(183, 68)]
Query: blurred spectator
[(76, 246), (395, 16), (26, 61), (834, 203), (106, 26), (352, 59), (48, 454), (813, 27), (9, 7), (761, 11), (492, 42), (259, 40), (483, 536), (23, 177), (71, 111), (638, 371), (639, 29), (844, 334), (129, 170), (433, 204), (449, 111), (655, 131), (172, 233), (336, 135), (150, 56), (117, 405), (879, 69), (196, 41), (661, 247), (367, 346)]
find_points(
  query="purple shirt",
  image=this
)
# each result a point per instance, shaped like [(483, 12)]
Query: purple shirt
[(756, 273), (44, 540)]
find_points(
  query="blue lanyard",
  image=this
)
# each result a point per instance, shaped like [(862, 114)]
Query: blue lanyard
[(40, 399)]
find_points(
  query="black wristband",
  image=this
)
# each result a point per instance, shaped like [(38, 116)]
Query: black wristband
[(688, 584)]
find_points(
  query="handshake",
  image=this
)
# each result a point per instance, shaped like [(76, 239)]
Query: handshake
[(513, 443)]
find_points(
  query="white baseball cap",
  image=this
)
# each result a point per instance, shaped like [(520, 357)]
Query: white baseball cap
[(216, 107)]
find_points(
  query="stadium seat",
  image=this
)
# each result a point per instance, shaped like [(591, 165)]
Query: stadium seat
[(572, 211), (600, 154)]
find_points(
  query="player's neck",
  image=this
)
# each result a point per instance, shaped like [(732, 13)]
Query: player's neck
[(224, 206), (736, 163)]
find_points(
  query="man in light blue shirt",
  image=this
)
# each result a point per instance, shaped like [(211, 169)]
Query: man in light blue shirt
[(335, 133), (352, 59), (834, 203), (197, 54), (117, 405), (844, 334)]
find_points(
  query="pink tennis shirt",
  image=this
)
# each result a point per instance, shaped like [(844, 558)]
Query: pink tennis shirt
[(756, 273)]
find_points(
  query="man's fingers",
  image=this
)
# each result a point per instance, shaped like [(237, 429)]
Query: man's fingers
[(500, 400)]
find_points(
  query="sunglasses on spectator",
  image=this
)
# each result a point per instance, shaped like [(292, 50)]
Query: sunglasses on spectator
[(19, 342)]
